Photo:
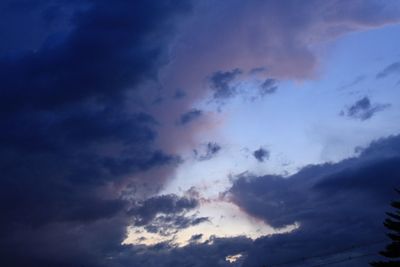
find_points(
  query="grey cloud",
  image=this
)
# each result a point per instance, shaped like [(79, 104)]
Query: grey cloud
[(195, 238), (363, 109), (166, 214), (261, 154), (146, 211), (168, 225), (190, 116), (211, 149), (221, 83), (269, 86)]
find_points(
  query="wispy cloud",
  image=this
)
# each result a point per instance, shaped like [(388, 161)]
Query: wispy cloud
[(393, 68), (363, 109)]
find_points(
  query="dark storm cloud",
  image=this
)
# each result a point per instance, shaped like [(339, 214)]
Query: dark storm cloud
[(26, 25), (363, 109), (67, 139), (261, 154), (221, 83), (269, 86), (104, 56), (190, 116), (391, 69), (211, 149), (336, 205)]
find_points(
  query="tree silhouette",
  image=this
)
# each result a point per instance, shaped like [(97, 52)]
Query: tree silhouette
[(392, 251)]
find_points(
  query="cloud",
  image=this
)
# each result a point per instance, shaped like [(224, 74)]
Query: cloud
[(190, 116), (354, 82), (195, 238), (211, 149), (327, 201), (268, 87), (261, 154), (168, 225), (391, 69), (363, 109), (77, 130), (221, 83), (165, 214), (146, 211)]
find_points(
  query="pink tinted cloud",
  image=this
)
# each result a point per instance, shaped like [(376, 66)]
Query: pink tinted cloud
[(280, 36), (277, 35)]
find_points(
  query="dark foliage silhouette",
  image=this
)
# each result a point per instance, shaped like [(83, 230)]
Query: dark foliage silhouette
[(392, 251)]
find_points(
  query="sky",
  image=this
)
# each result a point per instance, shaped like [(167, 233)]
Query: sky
[(197, 133)]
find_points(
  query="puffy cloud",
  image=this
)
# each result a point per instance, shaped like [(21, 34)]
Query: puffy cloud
[(336, 205), (363, 109)]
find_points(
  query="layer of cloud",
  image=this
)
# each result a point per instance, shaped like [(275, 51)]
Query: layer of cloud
[(76, 130)]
